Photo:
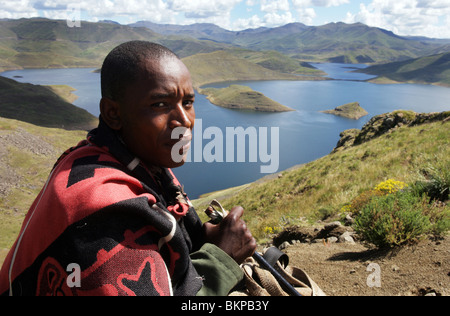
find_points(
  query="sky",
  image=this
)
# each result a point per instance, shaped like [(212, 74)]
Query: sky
[(429, 18)]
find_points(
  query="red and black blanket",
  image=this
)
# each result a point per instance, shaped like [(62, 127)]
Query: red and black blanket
[(104, 224)]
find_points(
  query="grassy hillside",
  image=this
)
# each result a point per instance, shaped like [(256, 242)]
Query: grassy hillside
[(243, 98), (340, 42), (433, 69), (323, 187), (27, 154), (222, 66), (43, 43), (276, 61), (43, 106)]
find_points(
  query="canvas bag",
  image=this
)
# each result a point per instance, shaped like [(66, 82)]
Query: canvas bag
[(260, 282)]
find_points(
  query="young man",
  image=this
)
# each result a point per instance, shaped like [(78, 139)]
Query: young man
[(112, 218)]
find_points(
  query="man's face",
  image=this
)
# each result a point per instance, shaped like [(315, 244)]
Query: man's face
[(160, 101)]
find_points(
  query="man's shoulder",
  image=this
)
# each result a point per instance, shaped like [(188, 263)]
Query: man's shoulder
[(91, 176)]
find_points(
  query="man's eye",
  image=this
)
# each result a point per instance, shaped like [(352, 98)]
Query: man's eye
[(158, 105), (188, 103)]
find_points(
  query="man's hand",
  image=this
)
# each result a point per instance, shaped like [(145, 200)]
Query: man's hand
[(232, 236)]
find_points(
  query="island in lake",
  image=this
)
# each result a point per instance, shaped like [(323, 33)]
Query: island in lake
[(243, 98), (352, 111)]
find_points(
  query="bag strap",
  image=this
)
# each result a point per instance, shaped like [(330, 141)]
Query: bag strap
[(273, 255)]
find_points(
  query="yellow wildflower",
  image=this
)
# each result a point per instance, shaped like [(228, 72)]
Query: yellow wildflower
[(390, 186)]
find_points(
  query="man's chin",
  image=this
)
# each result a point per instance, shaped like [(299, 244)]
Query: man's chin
[(177, 164)]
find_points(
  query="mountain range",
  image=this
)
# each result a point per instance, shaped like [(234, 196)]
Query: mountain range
[(334, 42), (38, 42)]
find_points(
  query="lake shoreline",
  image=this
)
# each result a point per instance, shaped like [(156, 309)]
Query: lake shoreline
[(377, 80)]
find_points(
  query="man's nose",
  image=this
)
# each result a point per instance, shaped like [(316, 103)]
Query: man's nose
[(180, 118)]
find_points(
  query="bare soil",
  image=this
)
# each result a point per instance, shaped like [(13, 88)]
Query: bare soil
[(342, 269)]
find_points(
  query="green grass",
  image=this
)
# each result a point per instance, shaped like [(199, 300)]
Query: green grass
[(31, 172)]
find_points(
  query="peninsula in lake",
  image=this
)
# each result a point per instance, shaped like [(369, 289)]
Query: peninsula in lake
[(243, 98), (352, 111)]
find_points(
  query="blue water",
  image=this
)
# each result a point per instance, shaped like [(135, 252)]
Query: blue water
[(304, 135)]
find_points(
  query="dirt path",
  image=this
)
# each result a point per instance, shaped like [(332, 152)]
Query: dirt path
[(341, 269)]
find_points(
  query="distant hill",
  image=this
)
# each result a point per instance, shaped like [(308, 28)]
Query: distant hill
[(222, 66), (212, 32), (427, 70), (334, 42), (43, 43), (41, 105), (276, 61)]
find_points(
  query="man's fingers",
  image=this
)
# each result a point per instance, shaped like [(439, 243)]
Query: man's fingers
[(236, 213)]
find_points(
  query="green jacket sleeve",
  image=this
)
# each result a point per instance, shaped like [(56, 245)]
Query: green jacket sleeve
[(219, 271)]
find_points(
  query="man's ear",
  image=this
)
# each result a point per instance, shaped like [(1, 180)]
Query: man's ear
[(110, 112)]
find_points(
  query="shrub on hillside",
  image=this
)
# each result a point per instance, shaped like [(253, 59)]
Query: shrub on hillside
[(394, 214), (394, 219)]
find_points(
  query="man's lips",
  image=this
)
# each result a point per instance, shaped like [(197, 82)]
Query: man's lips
[(184, 141)]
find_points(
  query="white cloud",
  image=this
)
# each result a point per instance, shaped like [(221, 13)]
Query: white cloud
[(271, 6), (278, 19), (406, 17), (318, 3), (306, 15), (17, 9), (204, 11), (306, 11), (250, 23), (273, 13)]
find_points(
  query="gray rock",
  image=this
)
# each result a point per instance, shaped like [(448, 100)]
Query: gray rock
[(346, 238), (333, 225)]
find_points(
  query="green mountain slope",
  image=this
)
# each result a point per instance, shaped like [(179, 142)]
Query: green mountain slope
[(348, 43), (276, 61), (333, 42), (42, 106), (429, 70), (43, 43), (222, 66)]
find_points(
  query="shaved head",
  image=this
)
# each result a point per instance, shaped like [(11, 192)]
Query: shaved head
[(125, 63)]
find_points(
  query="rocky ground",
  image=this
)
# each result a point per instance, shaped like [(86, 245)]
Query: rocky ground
[(347, 267)]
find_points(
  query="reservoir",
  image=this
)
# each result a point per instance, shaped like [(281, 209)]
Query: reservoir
[(303, 135)]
